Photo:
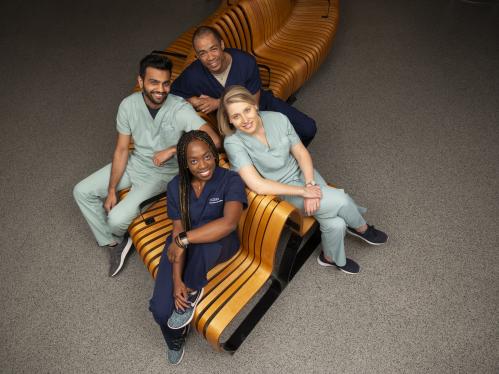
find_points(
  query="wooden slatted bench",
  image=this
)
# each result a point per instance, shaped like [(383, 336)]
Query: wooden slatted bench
[(270, 232), (290, 38)]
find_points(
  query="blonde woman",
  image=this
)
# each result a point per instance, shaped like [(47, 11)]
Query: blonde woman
[(266, 152)]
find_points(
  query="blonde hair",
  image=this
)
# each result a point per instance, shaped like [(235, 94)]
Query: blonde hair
[(231, 95)]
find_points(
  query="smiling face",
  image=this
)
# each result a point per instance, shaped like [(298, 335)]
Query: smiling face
[(210, 52), (155, 85), (200, 160), (244, 117)]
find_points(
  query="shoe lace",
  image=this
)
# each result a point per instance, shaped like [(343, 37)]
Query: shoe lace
[(177, 343), (192, 297)]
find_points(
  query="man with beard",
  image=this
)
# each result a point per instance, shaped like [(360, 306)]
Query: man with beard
[(155, 120), (203, 82)]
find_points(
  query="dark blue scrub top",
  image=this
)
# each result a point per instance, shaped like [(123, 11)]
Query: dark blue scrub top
[(196, 80), (225, 185)]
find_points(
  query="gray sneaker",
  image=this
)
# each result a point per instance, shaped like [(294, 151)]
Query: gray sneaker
[(117, 255), (176, 352), (179, 318)]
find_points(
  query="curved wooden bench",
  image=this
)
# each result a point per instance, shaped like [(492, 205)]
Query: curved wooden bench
[(297, 38), (269, 231), (290, 39), (264, 231)]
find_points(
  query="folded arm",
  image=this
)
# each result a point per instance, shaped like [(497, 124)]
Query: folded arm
[(218, 228), (263, 186), (302, 156), (208, 104)]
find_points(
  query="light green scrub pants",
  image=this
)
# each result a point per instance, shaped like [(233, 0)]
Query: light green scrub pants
[(337, 210), (91, 192)]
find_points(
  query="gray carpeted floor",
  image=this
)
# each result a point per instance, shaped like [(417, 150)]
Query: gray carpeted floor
[(408, 115)]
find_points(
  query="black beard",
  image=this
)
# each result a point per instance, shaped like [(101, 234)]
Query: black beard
[(152, 100)]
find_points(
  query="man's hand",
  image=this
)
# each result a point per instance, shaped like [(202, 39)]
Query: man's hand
[(180, 294), (207, 104), (162, 156), (111, 201), (175, 252), (311, 205)]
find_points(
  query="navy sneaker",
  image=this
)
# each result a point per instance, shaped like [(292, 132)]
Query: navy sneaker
[(371, 235), (177, 350), (351, 267), (180, 318)]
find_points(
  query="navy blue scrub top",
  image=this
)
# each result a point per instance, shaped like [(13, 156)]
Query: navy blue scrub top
[(196, 80), (225, 185)]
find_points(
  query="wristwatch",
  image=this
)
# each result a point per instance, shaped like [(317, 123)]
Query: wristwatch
[(312, 183), (181, 240)]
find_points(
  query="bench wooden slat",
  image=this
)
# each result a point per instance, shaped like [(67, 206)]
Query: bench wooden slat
[(236, 290)]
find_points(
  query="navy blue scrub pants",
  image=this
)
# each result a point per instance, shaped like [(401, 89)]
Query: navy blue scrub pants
[(200, 259), (304, 126)]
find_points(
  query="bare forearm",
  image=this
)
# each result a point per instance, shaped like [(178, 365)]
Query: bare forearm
[(218, 228), (177, 266), (194, 101), (270, 187), (177, 269), (172, 150), (212, 231), (120, 160), (306, 167), (213, 135), (263, 186), (304, 160)]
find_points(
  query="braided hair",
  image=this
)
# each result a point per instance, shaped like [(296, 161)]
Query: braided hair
[(184, 172)]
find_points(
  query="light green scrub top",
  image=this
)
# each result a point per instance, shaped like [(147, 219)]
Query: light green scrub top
[(175, 117), (273, 162)]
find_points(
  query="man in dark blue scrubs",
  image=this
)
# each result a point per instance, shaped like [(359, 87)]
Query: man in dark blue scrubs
[(203, 82)]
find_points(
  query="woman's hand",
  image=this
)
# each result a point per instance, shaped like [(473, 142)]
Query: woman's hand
[(180, 295), (311, 205), (175, 252), (312, 192)]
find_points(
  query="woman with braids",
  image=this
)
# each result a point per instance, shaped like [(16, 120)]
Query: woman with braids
[(264, 149), (205, 203)]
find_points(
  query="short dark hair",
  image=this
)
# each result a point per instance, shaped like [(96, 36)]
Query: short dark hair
[(155, 61), (203, 30)]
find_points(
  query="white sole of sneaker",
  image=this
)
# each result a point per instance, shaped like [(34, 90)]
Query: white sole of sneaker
[(353, 233), (346, 271), (192, 314), (124, 253), (322, 263), (327, 264)]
